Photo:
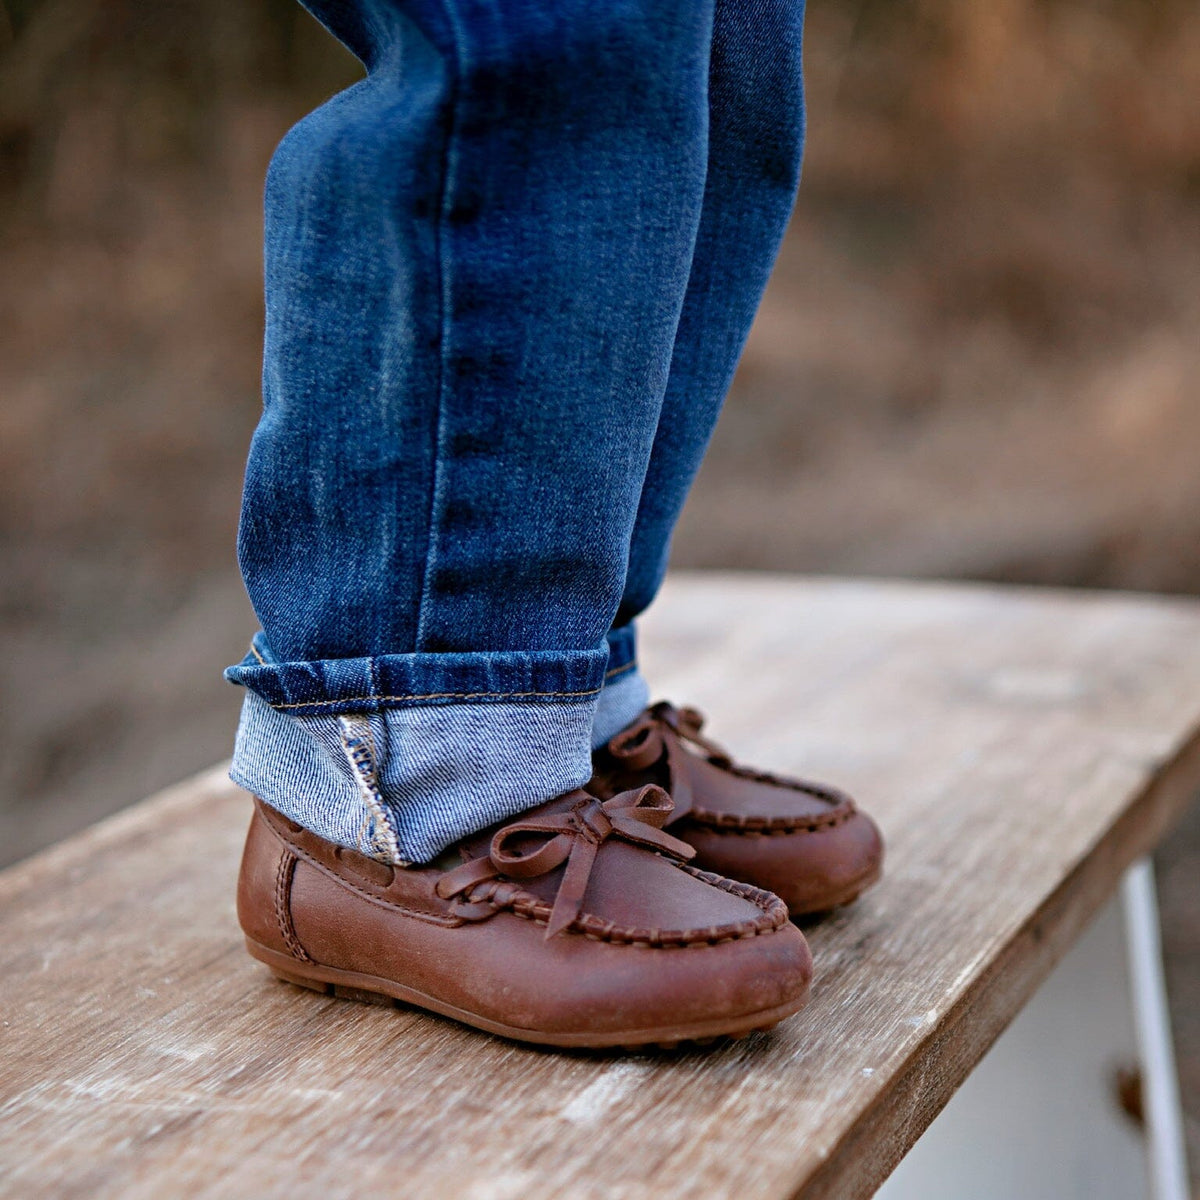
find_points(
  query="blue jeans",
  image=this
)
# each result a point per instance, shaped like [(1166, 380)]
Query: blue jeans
[(509, 275)]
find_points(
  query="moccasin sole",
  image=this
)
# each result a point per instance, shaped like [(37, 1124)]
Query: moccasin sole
[(352, 985)]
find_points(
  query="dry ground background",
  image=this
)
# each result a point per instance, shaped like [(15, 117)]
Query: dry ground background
[(978, 356)]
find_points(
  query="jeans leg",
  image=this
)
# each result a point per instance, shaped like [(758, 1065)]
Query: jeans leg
[(756, 136), (476, 260)]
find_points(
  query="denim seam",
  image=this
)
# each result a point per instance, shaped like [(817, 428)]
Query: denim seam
[(376, 791), (436, 696), (441, 237), (631, 665), (254, 651), (364, 767)]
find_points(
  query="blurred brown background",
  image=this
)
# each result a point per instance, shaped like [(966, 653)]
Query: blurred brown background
[(978, 356)]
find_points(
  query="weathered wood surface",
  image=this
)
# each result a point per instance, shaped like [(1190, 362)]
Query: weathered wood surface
[(1019, 748)]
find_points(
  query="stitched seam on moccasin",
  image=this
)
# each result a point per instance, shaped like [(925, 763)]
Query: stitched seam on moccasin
[(524, 904), (283, 905), (735, 823)]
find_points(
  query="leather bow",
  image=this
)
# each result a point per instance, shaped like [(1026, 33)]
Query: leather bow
[(573, 837), (663, 729)]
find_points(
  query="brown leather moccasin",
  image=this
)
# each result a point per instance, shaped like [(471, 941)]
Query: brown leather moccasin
[(578, 924), (806, 842)]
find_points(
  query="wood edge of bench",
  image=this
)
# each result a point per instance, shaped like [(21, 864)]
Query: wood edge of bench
[(863, 1158)]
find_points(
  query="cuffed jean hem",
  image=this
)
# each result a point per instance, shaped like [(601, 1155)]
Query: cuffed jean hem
[(625, 692), (400, 756), (357, 685), (402, 784)]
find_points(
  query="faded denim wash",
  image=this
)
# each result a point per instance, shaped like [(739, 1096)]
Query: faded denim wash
[(508, 276)]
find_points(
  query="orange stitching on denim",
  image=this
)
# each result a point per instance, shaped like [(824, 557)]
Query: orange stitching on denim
[(439, 696), (254, 651), (629, 666)]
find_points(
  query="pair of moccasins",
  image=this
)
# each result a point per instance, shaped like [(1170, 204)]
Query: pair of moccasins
[(649, 909)]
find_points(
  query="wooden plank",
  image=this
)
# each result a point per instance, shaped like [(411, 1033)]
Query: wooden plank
[(1019, 748)]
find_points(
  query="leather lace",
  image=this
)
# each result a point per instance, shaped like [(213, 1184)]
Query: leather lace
[(663, 729), (573, 837)]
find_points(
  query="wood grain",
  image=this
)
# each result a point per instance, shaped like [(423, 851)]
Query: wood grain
[(1019, 748)]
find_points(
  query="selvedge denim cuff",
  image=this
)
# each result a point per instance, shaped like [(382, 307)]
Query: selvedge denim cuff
[(399, 756)]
